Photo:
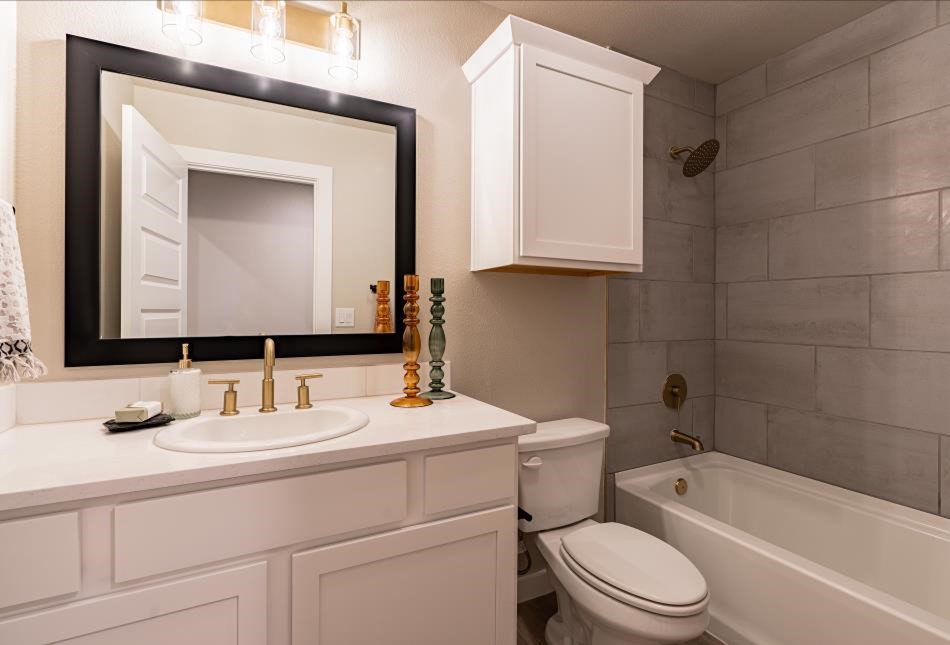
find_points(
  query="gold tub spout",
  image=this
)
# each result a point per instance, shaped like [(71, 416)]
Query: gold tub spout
[(680, 437)]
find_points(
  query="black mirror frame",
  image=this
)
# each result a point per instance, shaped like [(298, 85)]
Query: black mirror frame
[(85, 61)]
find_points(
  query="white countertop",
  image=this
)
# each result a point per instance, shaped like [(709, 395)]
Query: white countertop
[(60, 462)]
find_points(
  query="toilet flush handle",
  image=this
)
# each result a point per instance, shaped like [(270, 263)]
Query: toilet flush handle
[(534, 463)]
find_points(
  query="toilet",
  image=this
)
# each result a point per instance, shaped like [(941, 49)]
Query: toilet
[(615, 585)]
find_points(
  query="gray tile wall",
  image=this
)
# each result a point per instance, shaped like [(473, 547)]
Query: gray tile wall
[(663, 320), (832, 302)]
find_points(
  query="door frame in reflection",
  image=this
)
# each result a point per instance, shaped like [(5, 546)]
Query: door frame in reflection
[(317, 176)]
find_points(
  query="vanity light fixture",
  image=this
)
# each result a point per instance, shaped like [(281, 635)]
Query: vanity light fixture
[(181, 21), (269, 27), (344, 45), (271, 23)]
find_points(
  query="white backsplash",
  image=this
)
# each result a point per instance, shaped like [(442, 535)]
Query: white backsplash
[(56, 401), (7, 406)]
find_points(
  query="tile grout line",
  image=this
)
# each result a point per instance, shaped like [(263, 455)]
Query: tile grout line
[(823, 209), (769, 404), (778, 91), (870, 308), (940, 207), (838, 136), (831, 276), (785, 343)]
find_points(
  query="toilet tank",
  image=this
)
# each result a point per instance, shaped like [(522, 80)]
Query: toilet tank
[(559, 477)]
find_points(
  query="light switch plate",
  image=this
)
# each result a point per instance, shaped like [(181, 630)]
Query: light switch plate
[(345, 317)]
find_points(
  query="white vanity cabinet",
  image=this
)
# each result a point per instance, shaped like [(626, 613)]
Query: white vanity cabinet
[(557, 153), (415, 548)]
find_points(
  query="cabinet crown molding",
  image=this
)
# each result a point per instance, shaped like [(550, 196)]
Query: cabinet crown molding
[(518, 31)]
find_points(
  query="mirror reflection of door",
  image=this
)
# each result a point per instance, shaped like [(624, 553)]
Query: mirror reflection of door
[(154, 232), (226, 216), (221, 244)]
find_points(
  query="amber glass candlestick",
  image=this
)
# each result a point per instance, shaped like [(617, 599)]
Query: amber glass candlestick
[(411, 346), (384, 314)]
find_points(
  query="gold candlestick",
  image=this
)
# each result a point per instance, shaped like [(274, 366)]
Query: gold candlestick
[(384, 316), (411, 346)]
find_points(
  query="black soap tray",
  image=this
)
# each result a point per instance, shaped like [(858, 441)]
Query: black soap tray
[(158, 420)]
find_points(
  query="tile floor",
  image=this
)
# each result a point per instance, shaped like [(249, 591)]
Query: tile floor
[(533, 614)]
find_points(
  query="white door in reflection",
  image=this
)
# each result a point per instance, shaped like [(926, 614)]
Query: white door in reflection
[(216, 243), (154, 232)]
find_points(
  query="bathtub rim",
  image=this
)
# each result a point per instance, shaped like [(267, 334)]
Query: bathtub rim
[(637, 482)]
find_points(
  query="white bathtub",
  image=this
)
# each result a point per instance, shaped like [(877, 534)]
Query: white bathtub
[(794, 561)]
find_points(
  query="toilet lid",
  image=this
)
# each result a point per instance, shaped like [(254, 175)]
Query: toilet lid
[(635, 563)]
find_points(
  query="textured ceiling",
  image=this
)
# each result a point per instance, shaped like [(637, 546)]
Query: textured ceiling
[(705, 39)]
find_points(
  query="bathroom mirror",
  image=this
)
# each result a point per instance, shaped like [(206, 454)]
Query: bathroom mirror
[(216, 207)]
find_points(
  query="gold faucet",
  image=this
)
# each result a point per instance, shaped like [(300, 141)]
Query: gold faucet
[(267, 385), (681, 437)]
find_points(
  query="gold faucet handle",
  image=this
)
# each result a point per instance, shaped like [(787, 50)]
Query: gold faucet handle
[(230, 395), (303, 390)]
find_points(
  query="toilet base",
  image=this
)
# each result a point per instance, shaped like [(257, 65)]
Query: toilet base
[(557, 633), (571, 626)]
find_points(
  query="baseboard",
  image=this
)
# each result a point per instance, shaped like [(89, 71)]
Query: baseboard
[(533, 585)]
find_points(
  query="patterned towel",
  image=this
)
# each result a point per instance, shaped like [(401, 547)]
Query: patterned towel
[(16, 354)]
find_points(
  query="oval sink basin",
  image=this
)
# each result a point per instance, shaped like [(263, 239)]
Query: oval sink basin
[(244, 433)]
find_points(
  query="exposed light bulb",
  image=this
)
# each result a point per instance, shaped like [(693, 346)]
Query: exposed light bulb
[(268, 24), (344, 45), (181, 21)]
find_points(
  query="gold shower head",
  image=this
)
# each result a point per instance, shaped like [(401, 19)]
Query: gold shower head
[(699, 157)]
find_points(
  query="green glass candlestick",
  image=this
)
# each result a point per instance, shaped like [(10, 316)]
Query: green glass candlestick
[(437, 343)]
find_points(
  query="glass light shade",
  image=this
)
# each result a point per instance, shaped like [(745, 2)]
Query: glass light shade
[(344, 45), (269, 29), (181, 21)]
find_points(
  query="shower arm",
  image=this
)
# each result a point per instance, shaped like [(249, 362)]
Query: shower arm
[(676, 151)]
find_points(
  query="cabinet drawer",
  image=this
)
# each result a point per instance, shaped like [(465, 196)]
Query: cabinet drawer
[(461, 479), (39, 558), (160, 535)]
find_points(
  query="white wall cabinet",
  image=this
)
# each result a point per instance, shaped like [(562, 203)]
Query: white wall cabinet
[(415, 549), (557, 153)]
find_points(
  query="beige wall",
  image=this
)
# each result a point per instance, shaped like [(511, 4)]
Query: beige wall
[(532, 344), (7, 97)]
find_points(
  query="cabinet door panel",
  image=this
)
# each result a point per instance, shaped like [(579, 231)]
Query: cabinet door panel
[(582, 161), (39, 558), (226, 607), (451, 581)]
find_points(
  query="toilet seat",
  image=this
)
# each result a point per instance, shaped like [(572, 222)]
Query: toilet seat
[(636, 569)]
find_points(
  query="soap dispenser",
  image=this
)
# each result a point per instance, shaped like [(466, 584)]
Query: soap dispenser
[(183, 389)]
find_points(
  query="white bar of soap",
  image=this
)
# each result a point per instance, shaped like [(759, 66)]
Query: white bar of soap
[(138, 411)]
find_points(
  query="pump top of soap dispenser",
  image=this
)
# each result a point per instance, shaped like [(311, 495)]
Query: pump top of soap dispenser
[(185, 362)]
